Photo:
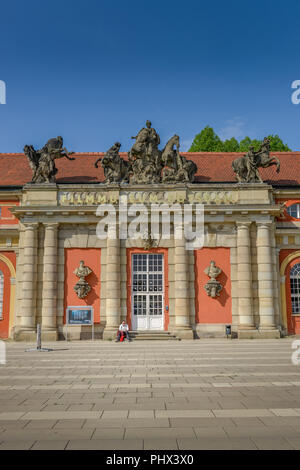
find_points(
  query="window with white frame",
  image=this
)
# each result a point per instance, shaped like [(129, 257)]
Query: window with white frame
[(295, 288), (294, 211), (1, 293)]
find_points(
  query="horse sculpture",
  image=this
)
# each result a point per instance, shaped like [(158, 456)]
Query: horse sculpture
[(42, 162), (116, 169), (246, 167), (176, 167)]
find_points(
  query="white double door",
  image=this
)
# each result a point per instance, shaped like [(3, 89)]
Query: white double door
[(147, 292)]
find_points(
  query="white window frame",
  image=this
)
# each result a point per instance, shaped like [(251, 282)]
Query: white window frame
[(289, 209)]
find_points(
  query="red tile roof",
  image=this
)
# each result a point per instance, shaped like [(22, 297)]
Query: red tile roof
[(212, 167)]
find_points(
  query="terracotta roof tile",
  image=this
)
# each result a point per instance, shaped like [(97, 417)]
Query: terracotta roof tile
[(212, 167)]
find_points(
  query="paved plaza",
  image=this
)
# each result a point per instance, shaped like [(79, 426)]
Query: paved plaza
[(204, 394)]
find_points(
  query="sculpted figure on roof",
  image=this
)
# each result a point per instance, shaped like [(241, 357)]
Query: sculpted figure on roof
[(176, 167), (246, 167), (42, 161), (116, 169), (145, 157)]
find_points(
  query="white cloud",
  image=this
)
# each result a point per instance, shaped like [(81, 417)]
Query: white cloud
[(233, 128)]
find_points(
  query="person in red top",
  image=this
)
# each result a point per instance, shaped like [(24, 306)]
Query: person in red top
[(123, 329)]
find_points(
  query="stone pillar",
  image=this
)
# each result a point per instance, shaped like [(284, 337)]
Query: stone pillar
[(245, 304), (49, 296), (27, 329), (182, 303), (113, 293), (265, 280)]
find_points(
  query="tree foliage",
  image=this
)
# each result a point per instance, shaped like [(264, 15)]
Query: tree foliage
[(208, 141)]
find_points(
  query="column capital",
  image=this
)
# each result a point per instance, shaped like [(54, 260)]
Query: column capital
[(266, 224), (51, 225), (245, 223), (30, 226)]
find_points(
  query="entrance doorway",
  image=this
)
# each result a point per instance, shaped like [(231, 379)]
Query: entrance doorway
[(147, 291)]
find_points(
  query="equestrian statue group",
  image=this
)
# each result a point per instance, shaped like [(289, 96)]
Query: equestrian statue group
[(146, 163)]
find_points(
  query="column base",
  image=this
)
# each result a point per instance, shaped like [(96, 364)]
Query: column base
[(183, 332), (261, 333), (269, 333), (49, 335), (110, 333), (24, 334)]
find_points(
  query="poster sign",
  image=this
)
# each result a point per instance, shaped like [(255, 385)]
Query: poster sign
[(83, 315), (80, 315)]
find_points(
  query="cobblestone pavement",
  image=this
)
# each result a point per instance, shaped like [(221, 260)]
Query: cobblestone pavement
[(205, 394)]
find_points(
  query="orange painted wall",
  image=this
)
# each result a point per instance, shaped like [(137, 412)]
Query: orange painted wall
[(4, 324), (293, 321), (130, 252), (92, 259), (209, 310), (7, 218)]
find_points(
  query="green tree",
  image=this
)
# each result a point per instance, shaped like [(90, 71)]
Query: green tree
[(231, 145), (276, 144), (207, 141)]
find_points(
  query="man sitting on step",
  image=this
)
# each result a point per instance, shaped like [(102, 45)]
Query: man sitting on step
[(123, 329)]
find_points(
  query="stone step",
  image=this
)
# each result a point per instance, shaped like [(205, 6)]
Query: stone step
[(152, 335)]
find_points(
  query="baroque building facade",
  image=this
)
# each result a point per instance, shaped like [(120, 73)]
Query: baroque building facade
[(246, 275)]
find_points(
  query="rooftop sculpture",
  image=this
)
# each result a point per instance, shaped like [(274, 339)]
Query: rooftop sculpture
[(246, 167), (146, 162), (42, 161)]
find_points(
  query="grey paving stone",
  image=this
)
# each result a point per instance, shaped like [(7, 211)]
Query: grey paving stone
[(105, 444), (272, 443), (16, 445), (160, 444), (216, 444), (50, 445), (159, 433), (109, 433)]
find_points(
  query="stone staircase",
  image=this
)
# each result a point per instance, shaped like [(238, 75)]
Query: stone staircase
[(152, 335)]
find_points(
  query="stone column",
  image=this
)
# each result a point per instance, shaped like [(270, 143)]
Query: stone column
[(49, 301), (182, 307), (27, 330), (113, 293), (265, 277), (244, 272)]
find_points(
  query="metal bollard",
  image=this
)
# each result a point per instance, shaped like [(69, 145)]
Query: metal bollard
[(39, 336)]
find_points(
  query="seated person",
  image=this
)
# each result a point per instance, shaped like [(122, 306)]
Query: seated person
[(125, 329)]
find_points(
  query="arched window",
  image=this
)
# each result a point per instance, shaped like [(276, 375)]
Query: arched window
[(294, 211), (1, 293), (295, 288)]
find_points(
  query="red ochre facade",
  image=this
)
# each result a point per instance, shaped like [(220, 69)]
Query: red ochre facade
[(208, 309), (92, 259), (7, 267)]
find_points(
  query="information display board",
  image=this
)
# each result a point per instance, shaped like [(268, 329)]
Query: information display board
[(80, 315)]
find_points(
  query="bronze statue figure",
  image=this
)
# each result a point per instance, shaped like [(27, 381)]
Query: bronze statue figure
[(145, 157), (146, 163), (42, 161), (176, 167), (116, 169), (246, 167)]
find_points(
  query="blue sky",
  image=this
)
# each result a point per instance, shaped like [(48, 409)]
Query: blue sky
[(93, 71)]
